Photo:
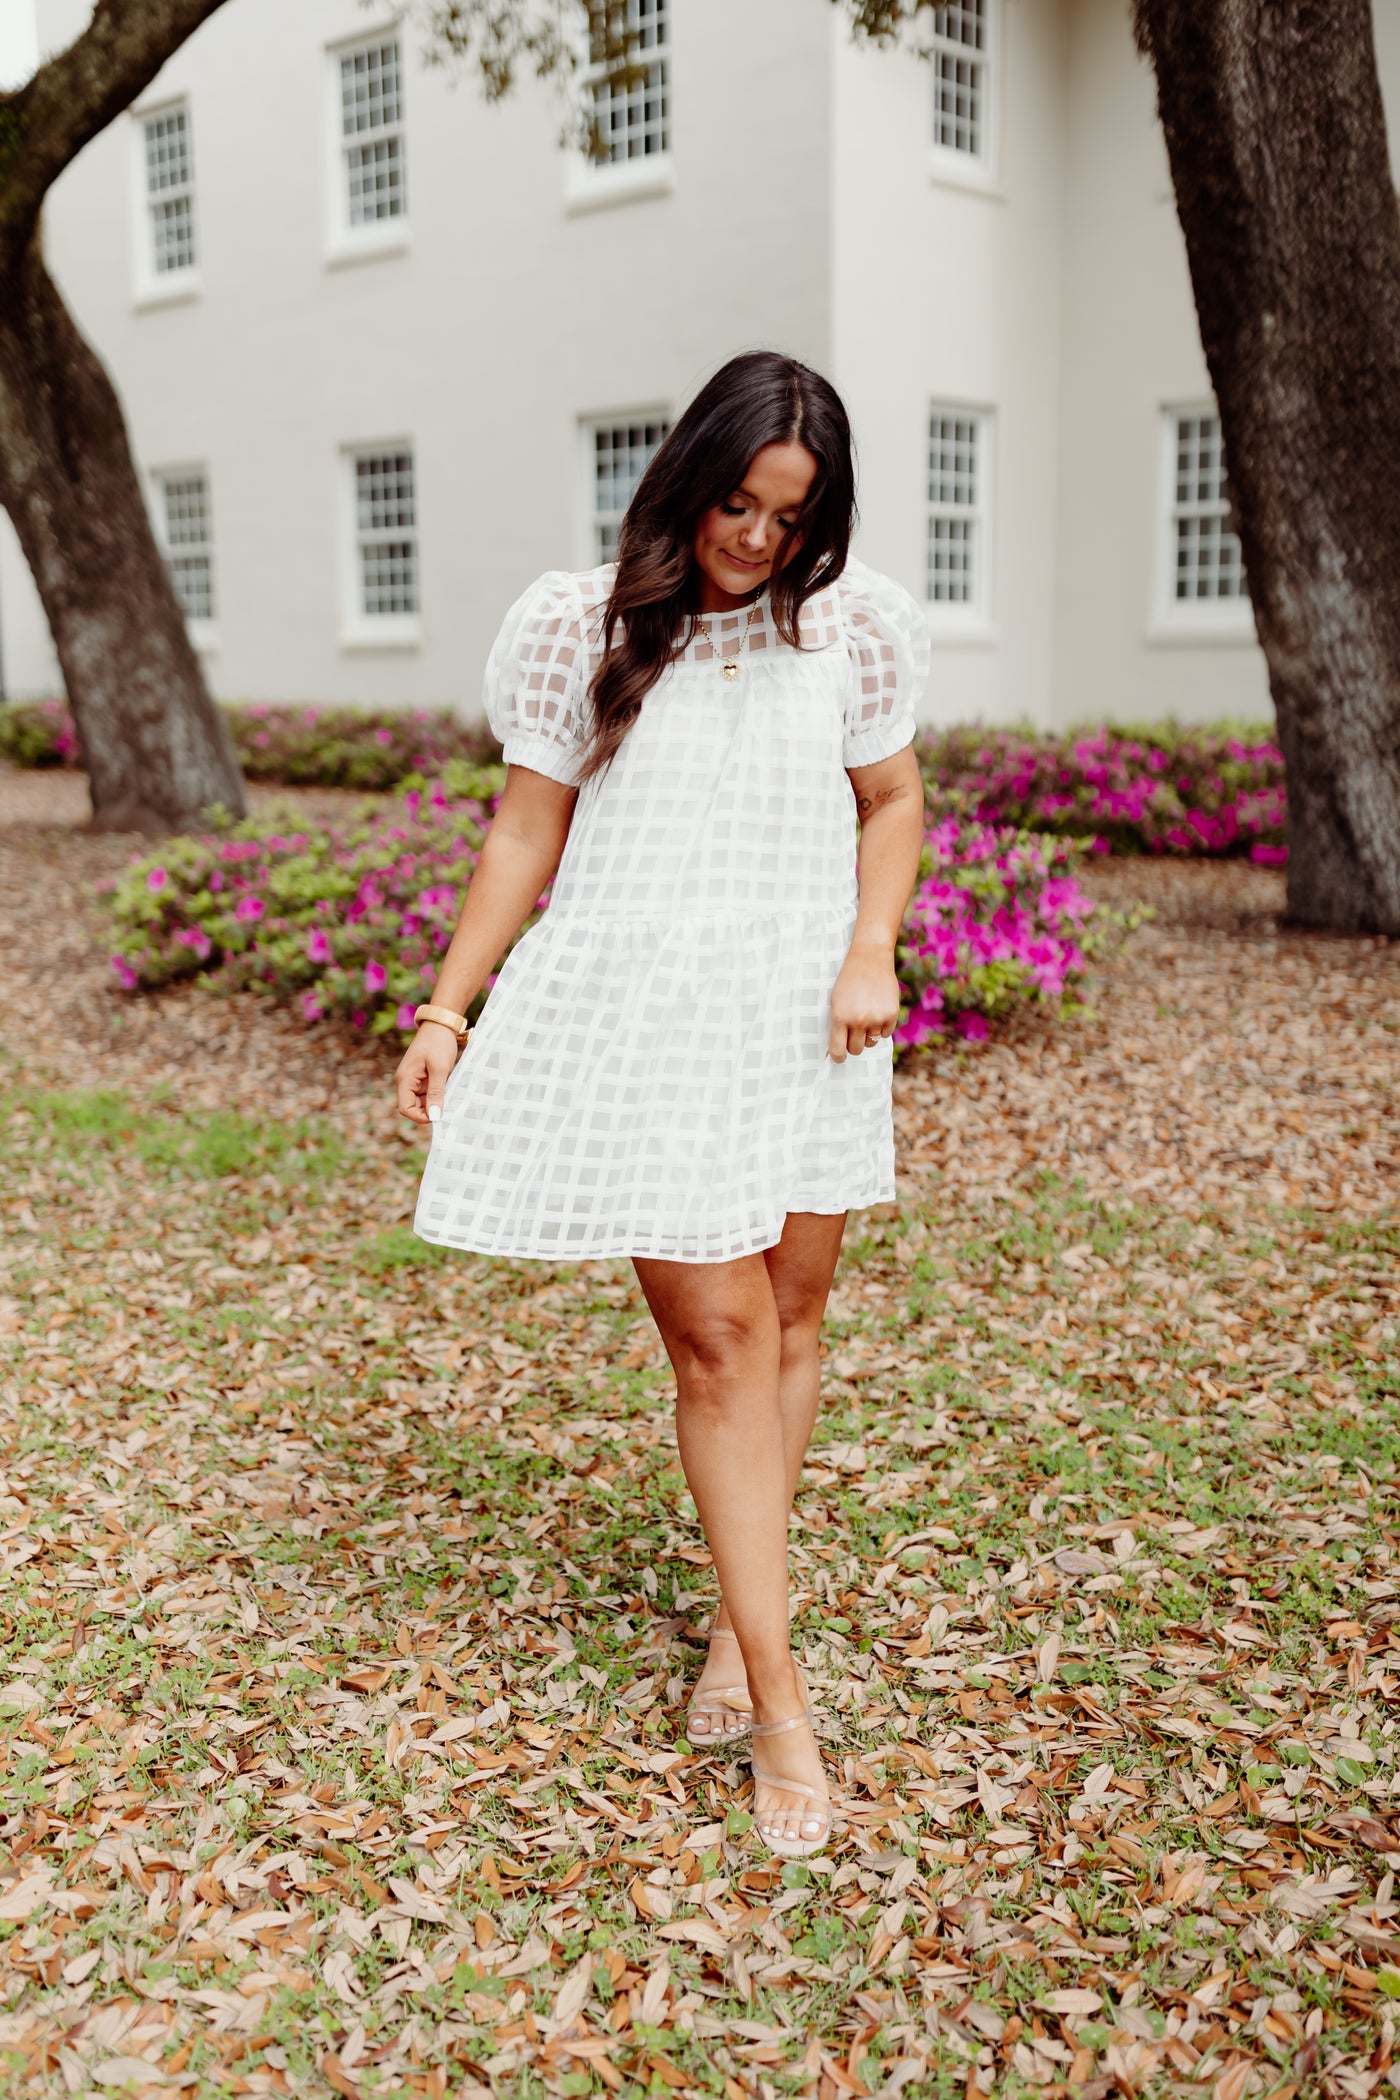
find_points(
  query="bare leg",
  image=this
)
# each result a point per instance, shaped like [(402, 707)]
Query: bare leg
[(741, 1451), (800, 1268)]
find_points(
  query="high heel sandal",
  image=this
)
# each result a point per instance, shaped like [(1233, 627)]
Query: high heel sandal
[(813, 1840), (713, 1704)]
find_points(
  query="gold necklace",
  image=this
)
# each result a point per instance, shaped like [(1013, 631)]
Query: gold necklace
[(729, 663)]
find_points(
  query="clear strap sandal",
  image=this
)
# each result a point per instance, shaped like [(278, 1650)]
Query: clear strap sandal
[(816, 1824), (716, 1704)]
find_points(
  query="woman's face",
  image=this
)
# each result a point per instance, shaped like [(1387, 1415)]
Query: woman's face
[(736, 543)]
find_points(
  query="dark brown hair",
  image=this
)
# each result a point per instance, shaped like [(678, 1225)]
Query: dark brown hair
[(761, 398)]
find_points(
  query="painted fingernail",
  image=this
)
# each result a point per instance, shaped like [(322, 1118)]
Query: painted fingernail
[(434, 1113)]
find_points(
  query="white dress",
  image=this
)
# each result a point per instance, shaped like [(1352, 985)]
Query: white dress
[(650, 1074)]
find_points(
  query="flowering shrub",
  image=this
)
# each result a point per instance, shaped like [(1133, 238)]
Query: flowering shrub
[(352, 919), (998, 918), (347, 919), (345, 747), (1164, 789), (38, 733), (348, 747)]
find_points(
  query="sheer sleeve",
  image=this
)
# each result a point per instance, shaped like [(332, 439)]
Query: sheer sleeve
[(888, 643), (536, 679)]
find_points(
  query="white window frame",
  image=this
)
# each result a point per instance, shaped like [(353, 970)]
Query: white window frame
[(371, 239), (591, 519), (1192, 620), (361, 629), (203, 632), (591, 185), (153, 287), (953, 164), (971, 618)]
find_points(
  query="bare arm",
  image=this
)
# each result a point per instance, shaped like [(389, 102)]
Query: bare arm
[(865, 996), (522, 850)]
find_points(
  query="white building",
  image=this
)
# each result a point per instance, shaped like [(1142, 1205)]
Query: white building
[(386, 352)]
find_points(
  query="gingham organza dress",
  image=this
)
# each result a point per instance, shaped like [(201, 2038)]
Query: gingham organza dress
[(650, 1073)]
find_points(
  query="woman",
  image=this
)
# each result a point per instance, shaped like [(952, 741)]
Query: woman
[(687, 1060)]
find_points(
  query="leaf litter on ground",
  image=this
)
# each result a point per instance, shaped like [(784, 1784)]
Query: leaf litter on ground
[(353, 1593)]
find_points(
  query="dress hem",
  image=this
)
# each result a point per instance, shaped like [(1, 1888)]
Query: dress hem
[(630, 1251)]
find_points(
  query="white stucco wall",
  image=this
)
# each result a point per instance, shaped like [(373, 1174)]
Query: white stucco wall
[(949, 292), (804, 215), (507, 319), (1129, 348)]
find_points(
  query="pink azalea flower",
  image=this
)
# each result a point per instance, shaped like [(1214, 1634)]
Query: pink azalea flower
[(156, 879), (126, 976), (249, 909), (376, 976), (318, 946)]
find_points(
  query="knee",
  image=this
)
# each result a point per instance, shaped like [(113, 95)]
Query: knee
[(716, 1348), (799, 1329)]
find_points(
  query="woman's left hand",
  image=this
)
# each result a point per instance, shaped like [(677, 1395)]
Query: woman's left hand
[(864, 1003)]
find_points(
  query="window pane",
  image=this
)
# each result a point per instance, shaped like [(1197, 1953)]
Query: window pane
[(172, 235), (631, 104), (193, 578), (389, 577), (962, 22), (951, 551), (186, 511), (186, 530), (375, 180), (1207, 561), (370, 97), (384, 491), (168, 162), (387, 551), (960, 76), (953, 460), (955, 495), (621, 452)]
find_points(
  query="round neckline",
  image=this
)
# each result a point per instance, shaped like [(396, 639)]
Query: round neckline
[(738, 612)]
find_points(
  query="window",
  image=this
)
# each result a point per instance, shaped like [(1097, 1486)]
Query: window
[(963, 51), (385, 536), (373, 170), (616, 456), (168, 168), (957, 502), (186, 531), (1206, 566), (630, 114)]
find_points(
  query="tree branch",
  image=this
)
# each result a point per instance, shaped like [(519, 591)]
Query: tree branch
[(46, 123)]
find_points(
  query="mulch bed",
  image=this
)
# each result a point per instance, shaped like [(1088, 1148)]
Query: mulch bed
[(352, 1591)]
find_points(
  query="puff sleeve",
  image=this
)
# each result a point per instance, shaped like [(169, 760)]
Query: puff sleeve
[(535, 689), (887, 641)]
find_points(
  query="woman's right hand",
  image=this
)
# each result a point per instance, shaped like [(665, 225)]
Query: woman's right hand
[(423, 1072)]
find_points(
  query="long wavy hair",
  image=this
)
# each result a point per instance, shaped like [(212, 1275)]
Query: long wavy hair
[(761, 398)]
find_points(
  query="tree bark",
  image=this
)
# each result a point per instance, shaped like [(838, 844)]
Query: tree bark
[(156, 749), (1275, 132)]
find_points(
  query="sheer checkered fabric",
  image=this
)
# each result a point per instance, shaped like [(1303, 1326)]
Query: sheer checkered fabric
[(650, 1074)]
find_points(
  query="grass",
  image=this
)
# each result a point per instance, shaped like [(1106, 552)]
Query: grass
[(351, 1603)]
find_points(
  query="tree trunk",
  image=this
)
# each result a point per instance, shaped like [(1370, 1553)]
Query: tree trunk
[(156, 749), (1276, 136)]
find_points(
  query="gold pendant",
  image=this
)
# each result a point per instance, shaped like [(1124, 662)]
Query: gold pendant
[(729, 669)]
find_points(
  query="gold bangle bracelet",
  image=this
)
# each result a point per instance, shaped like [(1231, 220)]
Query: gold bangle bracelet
[(456, 1022)]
